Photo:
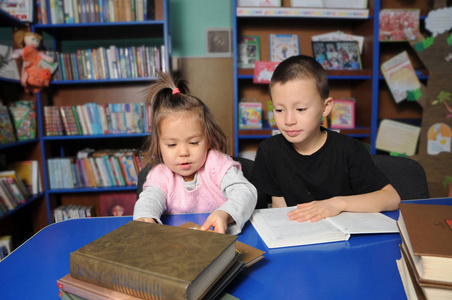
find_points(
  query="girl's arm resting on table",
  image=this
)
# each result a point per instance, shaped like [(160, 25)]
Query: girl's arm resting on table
[(151, 204), (242, 198), (386, 199)]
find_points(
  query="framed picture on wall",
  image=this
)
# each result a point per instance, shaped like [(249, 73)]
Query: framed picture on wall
[(337, 55)]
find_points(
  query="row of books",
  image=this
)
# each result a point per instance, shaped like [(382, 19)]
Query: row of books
[(73, 211), (425, 265), (94, 11), (17, 121), (13, 191), (6, 246), (111, 63), (104, 168), (93, 118)]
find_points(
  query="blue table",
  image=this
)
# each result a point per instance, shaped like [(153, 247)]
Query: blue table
[(364, 267)]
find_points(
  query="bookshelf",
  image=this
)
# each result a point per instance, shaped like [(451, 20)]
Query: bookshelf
[(68, 38), (367, 86)]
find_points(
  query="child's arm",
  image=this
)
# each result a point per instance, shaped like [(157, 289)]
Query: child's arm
[(242, 198), (150, 205), (386, 199)]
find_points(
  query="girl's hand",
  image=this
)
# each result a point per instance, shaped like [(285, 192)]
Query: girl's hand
[(315, 211), (218, 220), (149, 220)]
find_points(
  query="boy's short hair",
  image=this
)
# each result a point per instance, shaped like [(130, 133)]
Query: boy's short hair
[(302, 67)]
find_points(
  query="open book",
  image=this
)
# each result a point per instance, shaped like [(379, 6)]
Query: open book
[(275, 228)]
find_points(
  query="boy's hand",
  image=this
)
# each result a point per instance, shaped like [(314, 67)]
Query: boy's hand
[(315, 211), (218, 220), (149, 220)]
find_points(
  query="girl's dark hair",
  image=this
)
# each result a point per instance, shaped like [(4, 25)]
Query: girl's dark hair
[(163, 102), (302, 67)]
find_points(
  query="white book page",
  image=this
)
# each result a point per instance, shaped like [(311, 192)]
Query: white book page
[(356, 223), (275, 228)]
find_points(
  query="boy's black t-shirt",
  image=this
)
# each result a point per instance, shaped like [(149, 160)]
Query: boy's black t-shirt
[(342, 167)]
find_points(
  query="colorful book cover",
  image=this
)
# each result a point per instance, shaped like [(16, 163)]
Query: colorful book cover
[(343, 114), (283, 46), (250, 114), (6, 126), (399, 25), (249, 51), (263, 71), (69, 120), (23, 113), (52, 121)]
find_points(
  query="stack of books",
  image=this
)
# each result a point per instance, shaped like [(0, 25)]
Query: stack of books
[(13, 191), (425, 266), (153, 261)]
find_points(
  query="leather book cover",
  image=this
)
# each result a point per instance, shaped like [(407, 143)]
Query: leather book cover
[(429, 228), (150, 260), (249, 255)]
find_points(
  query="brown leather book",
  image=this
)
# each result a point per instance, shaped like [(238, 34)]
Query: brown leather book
[(248, 254), (155, 261), (426, 232)]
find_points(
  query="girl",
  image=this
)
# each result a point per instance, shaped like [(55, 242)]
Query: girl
[(190, 171)]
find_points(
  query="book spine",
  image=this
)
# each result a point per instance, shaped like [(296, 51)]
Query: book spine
[(125, 280)]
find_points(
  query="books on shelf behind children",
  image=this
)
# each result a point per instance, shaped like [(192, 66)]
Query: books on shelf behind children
[(6, 126), (275, 228), (23, 113), (283, 46), (28, 172), (250, 114), (8, 65), (20, 9), (401, 78), (249, 51), (343, 114), (183, 263)]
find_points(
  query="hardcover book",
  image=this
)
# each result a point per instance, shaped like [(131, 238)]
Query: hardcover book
[(283, 46), (151, 260), (249, 51), (250, 114), (23, 113), (343, 114), (276, 230), (426, 232)]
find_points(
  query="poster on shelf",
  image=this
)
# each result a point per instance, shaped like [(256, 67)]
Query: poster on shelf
[(399, 25)]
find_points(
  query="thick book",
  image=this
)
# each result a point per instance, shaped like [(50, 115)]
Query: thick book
[(148, 260), (276, 230), (426, 232)]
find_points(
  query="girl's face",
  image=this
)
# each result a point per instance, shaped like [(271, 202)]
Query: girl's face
[(183, 144)]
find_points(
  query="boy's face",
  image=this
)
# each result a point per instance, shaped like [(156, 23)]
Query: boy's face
[(298, 111), (183, 144)]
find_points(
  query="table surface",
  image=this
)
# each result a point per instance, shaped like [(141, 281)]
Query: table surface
[(364, 267)]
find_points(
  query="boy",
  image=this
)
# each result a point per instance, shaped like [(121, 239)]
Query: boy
[(307, 163)]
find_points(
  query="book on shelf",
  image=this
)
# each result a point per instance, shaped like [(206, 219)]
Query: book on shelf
[(23, 113), (339, 36), (337, 55), (14, 180), (69, 120), (52, 121), (398, 25), (249, 51), (426, 232), (73, 211), (283, 46), (8, 65), (263, 71), (28, 172), (343, 114), (7, 134), (250, 114), (401, 77), (6, 245), (276, 230), (20, 9), (172, 262), (117, 204)]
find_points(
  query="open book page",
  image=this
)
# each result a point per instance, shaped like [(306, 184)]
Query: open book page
[(359, 223), (275, 228)]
